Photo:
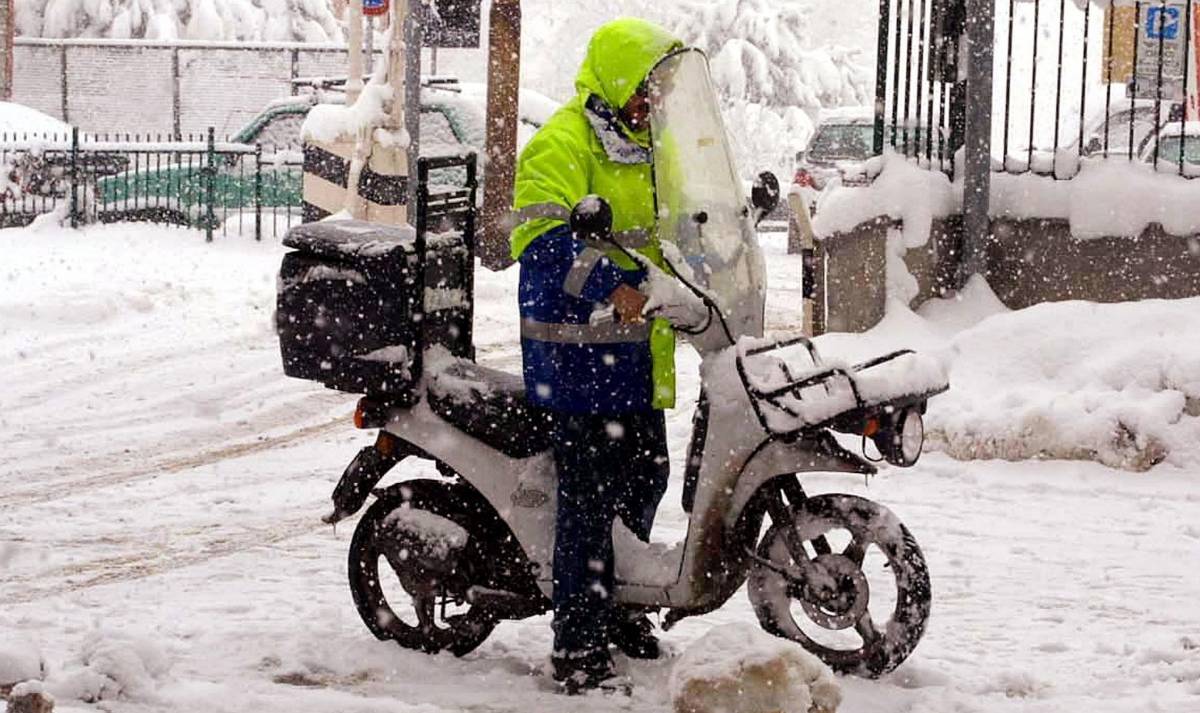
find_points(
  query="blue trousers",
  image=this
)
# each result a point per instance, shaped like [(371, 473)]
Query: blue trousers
[(608, 467)]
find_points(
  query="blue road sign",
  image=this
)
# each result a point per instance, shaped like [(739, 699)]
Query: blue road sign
[(1162, 23)]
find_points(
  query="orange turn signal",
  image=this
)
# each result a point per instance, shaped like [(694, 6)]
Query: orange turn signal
[(871, 427)]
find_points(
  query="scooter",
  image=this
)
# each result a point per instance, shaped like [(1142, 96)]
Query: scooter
[(435, 563)]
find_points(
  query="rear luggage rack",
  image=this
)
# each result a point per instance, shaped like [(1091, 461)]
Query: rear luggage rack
[(848, 414), (359, 303)]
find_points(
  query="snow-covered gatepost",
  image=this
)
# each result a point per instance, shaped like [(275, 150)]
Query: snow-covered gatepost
[(1084, 186), (363, 145)]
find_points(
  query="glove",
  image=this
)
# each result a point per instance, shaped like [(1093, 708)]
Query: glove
[(671, 300)]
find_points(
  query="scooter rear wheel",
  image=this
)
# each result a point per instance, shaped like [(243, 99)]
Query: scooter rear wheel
[(839, 597), (414, 614)]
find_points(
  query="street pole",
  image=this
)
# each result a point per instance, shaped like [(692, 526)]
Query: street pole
[(414, 38), (977, 144), (370, 60), (504, 63), (354, 83)]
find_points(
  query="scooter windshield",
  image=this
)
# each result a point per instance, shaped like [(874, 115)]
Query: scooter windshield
[(702, 207)]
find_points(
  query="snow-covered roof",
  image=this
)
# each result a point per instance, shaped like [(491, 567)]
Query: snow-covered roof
[(17, 119)]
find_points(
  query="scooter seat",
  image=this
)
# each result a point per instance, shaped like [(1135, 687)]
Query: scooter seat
[(490, 405)]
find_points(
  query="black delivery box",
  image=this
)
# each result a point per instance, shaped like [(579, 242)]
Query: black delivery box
[(348, 309)]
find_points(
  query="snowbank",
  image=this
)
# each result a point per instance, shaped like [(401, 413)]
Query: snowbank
[(20, 660), (113, 665), (739, 669), (1114, 383)]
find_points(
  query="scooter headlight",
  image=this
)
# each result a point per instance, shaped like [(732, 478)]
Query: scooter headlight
[(900, 441)]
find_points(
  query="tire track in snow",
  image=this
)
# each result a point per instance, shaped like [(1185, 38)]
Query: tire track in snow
[(184, 461), (161, 560)]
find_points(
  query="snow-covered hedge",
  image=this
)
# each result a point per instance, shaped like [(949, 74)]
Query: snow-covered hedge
[(243, 20)]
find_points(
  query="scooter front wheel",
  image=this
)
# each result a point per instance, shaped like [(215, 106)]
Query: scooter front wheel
[(860, 598), (431, 553)]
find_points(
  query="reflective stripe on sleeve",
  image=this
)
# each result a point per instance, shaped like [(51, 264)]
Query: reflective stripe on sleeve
[(581, 270), (534, 211), (632, 239), (606, 333)]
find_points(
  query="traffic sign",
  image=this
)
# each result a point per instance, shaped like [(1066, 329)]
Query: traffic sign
[(375, 7), (1160, 52)]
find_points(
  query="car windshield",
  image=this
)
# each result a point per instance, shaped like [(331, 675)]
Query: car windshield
[(842, 141), (854, 142), (1169, 147)]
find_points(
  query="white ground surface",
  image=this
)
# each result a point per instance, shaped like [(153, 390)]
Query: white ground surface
[(161, 483)]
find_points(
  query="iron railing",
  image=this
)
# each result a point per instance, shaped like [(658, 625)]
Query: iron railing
[(1073, 82), (218, 187)]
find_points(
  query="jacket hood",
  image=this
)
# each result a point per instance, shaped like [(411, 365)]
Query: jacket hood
[(619, 56)]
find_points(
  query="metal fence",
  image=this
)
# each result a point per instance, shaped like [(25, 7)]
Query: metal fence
[(219, 187), (1072, 82)]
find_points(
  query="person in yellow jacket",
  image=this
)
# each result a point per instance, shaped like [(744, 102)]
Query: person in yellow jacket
[(604, 382)]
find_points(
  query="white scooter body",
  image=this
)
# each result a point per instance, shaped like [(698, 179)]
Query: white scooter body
[(768, 417)]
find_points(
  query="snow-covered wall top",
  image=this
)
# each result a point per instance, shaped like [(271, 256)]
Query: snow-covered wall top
[(240, 20), (902, 190), (1109, 197)]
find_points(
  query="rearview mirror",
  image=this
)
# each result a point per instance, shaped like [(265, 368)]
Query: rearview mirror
[(764, 196), (591, 219)]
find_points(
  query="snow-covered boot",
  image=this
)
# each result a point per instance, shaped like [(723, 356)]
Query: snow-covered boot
[(632, 633), (580, 673)]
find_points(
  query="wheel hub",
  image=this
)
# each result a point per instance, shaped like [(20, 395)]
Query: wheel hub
[(837, 594)]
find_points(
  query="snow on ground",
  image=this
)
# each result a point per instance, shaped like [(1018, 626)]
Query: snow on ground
[(161, 484)]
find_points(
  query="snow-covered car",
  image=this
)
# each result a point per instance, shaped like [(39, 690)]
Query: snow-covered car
[(1130, 123), (840, 147), (1174, 142), (453, 116)]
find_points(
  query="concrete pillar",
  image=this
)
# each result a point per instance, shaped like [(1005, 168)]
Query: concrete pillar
[(977, 165)]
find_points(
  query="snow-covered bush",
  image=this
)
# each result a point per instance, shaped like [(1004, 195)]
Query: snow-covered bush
[(739, 669), (774, 72), (243, 20)]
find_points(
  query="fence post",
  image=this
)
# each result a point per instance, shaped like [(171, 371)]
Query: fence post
[(74, 205), (175, 98), (881, 76), (294, 71), (210, 171), (64, 81), (977, 145), (258, 192)]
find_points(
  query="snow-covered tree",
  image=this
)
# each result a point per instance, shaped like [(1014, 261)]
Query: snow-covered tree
[(237, 20), (775, 71)]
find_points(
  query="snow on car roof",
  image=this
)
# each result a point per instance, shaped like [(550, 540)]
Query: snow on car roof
[(847, 115), (17, 119), (1191, 128)]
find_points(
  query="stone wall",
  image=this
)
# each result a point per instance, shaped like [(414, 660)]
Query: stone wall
[(1028, 261)]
